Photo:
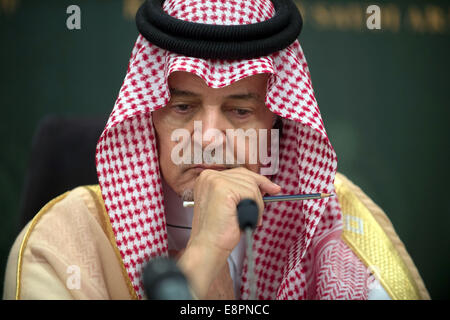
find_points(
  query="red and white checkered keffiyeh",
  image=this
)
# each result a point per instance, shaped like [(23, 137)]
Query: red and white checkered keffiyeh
[(298, 249)]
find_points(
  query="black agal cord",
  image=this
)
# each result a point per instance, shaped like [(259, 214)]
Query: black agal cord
[(209, 41)]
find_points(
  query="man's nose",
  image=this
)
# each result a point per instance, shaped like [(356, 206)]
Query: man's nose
[(213, 124)]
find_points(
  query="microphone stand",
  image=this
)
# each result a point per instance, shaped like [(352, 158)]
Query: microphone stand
[(247, 212)]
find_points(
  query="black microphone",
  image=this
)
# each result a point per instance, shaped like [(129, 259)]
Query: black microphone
[(163, 280), (247, 212)]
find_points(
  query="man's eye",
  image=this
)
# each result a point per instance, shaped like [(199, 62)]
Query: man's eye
[(182, 108), (241, 112)]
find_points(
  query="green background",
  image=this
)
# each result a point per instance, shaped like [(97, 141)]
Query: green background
[(383, 95)]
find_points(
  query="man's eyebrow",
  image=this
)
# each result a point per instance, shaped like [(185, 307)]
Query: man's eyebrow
[(246, 96), (177, 92), (242, 96)]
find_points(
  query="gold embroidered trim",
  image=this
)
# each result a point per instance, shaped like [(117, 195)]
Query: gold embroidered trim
[(27, 235), (367, 239), (95, 191)]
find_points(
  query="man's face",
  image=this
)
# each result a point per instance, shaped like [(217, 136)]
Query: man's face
[(237, 106)]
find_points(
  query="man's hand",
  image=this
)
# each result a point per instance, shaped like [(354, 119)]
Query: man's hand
[(217, 194), (215, 229)]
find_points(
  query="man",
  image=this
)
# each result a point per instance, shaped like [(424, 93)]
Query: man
[(249, 72)]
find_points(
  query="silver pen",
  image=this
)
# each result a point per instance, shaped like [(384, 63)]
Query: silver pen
[(286, 197)]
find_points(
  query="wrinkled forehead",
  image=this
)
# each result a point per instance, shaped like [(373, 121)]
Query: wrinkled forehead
[(219, 73), (190, 85)]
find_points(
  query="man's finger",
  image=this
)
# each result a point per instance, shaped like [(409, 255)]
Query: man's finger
[(263, 182), (248, 189)]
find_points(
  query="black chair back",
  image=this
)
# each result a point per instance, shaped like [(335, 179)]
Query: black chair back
[(62, 158)]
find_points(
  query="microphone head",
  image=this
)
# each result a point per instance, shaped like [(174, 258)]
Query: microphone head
[(247, 212), (163, 280)]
